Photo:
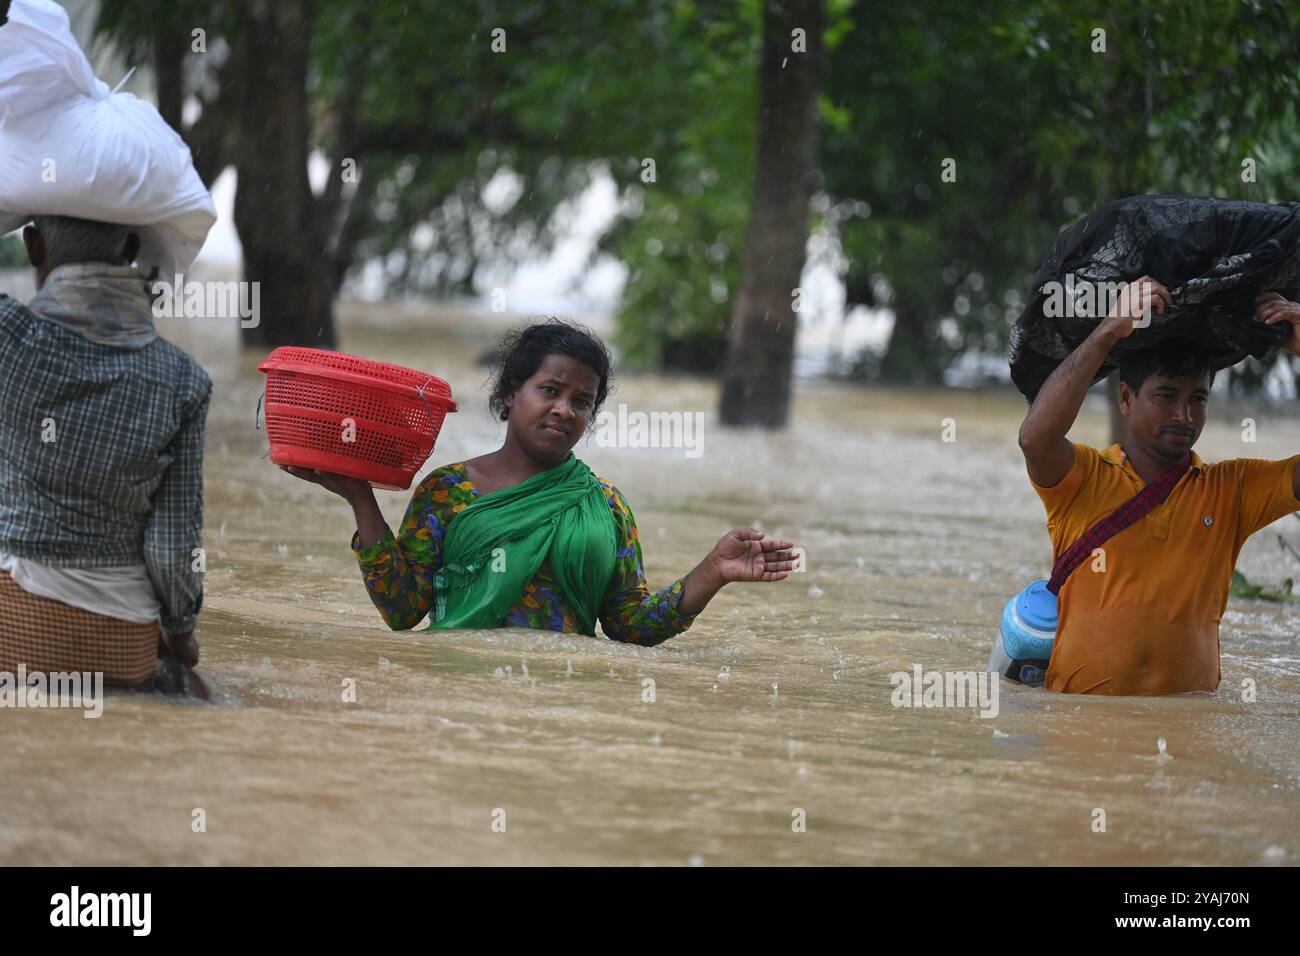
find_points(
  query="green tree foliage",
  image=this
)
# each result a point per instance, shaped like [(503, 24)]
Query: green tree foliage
[(432, 101), (681, 235), (578, 87), (1043, 127), (13, 255)]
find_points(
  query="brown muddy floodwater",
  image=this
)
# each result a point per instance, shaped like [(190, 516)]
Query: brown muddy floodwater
[(777, 700)]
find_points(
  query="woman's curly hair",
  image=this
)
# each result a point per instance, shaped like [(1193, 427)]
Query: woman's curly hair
[(520, 354)]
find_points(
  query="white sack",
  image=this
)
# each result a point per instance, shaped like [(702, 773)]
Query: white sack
[(110, 156)]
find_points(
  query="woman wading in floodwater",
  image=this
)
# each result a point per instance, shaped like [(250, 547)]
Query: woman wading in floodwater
[(527, 535)]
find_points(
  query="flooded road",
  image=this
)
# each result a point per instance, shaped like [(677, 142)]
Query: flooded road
[(772, 711)]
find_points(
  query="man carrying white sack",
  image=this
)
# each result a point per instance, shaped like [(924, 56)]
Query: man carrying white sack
[(101, 420)]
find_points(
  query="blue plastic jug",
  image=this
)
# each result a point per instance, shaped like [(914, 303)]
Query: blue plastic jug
[(1024, 643)]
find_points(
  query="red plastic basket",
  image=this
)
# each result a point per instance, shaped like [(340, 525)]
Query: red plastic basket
[(395, 415)]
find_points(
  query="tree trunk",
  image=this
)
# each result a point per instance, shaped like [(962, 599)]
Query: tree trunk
[(168, 64), (759, 360), (275, 212)]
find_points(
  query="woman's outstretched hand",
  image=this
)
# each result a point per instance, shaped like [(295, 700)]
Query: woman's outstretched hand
[(745, 554), (742, 554)]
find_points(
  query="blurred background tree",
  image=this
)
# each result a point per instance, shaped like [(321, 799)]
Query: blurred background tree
[(13, 255), (758, 366), (1044, 125), (471, 127)]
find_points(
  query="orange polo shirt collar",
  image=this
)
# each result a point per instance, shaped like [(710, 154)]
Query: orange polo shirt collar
[(1115, 455)]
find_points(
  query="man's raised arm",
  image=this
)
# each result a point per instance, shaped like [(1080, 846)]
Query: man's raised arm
[(1274, 308), (1048, 454)]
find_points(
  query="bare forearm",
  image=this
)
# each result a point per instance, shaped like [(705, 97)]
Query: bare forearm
[(371, 526), (699, 588), (1059, 400)]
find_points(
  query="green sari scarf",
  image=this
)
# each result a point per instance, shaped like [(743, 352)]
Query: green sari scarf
[(494, 547)]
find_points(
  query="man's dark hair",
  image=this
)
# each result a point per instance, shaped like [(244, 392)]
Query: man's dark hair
[(1177, 358), (520, 354), (68, 239)]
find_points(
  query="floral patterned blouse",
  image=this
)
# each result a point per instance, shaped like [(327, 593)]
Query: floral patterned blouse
[(398, 570)]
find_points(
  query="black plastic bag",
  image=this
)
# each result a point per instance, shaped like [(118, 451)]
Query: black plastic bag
[(1215, 256)]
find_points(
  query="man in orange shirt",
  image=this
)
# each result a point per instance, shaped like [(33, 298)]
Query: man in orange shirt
[(1142, 616)]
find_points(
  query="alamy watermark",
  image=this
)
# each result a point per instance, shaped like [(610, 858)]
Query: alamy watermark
[(1085, 299), (81, 689), (208, 300), (130, 910), (636, 429), (922, 688)]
